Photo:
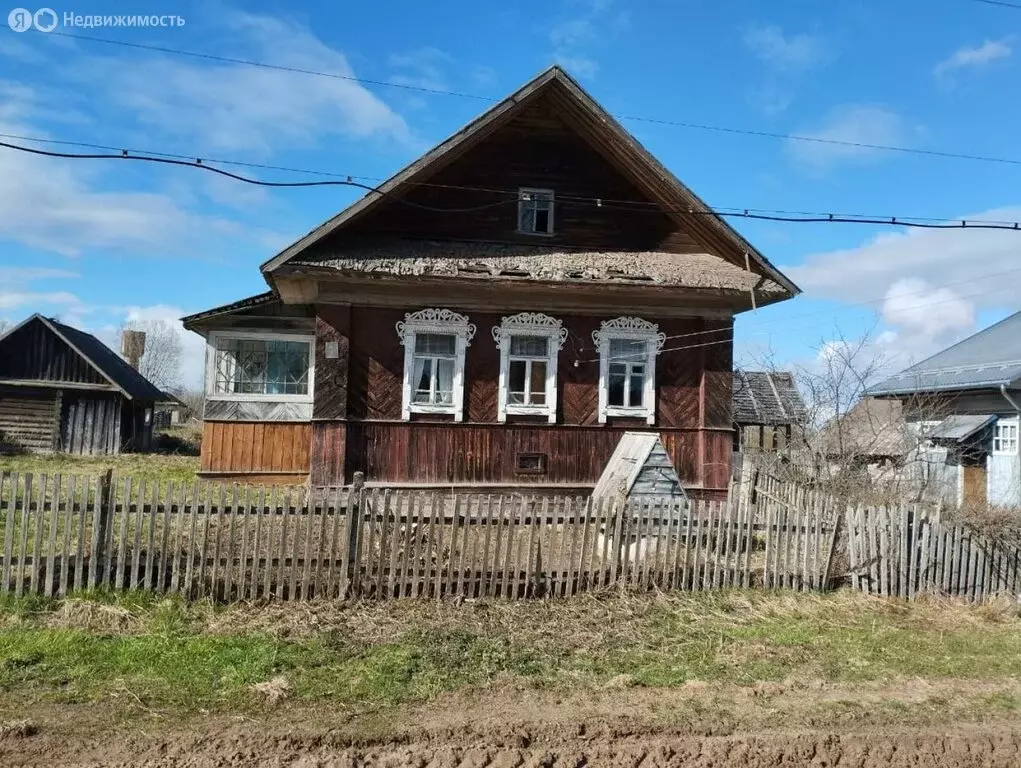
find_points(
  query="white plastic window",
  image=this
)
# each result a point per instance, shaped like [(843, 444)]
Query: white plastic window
[(529, 344)]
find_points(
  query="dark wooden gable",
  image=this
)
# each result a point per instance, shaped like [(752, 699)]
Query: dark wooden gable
[(33, 352), (539, 147), (549, 133)]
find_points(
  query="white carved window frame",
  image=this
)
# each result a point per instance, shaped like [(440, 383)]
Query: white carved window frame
[(631, 329), (529, 324), (213, 344), (434, 320)]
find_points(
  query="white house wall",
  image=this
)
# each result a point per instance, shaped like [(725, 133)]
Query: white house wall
[(1004, 487)]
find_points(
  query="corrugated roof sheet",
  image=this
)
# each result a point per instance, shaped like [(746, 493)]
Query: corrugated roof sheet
[(987, 359), (961, 427), (767, 398)]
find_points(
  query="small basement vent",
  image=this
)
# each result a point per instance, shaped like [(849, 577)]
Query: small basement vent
[(640, 467), (531, 463)]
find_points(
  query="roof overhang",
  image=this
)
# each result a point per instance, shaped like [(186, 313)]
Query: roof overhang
[(606, 135)]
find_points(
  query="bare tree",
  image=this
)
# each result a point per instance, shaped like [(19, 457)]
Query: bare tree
[(4, 326), (161, 363), (857, 446)]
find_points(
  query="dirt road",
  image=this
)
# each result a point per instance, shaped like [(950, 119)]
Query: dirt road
[(695, 727), (988, 746)]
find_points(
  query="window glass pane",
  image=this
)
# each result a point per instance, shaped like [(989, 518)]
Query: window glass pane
[(618, 376), (516, 381), (422, 381), (526, 217), (435, 344), (542, 222), (529, 346), (537, 382), (262, 367), (637, 388), (628, 350), (445, 381)]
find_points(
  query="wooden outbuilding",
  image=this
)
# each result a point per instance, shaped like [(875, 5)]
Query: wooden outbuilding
[(63, 390)]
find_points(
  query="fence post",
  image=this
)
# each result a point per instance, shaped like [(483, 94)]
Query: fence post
[(100, 526), (354, 513)]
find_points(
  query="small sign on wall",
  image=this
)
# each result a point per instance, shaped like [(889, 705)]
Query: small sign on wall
[(332, 350)]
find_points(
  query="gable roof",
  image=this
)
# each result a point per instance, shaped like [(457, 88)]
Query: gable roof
[(872, 428), (104, 360), (613, 141), (767, 398), (989, 358)]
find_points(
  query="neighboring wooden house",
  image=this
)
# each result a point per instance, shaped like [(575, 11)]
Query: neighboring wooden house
[(768, 410), (963, 403), (62, 389), (501, 312), (872, 433)]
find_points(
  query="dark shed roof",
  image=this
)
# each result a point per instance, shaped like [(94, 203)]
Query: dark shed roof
[(109, 365), (767, 398)]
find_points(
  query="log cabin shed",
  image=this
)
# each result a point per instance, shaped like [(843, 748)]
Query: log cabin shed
[(63, 390)]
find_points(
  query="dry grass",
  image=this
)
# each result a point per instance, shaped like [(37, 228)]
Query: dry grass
[(177, 656)]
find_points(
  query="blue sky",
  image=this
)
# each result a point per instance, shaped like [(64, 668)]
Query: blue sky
[(103, 243)]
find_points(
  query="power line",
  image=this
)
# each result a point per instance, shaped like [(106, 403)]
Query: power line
[(478, 97), (746, 213), (1000, 3), (786, 329)]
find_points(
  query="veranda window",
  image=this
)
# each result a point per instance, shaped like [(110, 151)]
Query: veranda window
[(253, 366)]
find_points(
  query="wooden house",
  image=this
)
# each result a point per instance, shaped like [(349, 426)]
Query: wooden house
[(62, 389), (499, 312), (962, 411)]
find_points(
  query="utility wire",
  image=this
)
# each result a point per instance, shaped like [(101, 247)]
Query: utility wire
[(1000, 3), (746, 213), (868, 303), (786, 329), (478, 97)]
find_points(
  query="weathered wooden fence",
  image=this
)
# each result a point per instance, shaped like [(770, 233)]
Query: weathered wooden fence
[(907, 550), (61, 534)]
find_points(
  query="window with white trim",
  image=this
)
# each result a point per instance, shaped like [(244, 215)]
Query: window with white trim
[(535, 211), (628, 347), (1005, 437), (435, 341), (529, 344), (259, 366)]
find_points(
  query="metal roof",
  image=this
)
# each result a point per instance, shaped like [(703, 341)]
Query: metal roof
[(960, 427), (990, 358)]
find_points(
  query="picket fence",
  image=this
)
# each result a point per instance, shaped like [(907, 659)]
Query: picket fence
[(908, 551), (229, 542)]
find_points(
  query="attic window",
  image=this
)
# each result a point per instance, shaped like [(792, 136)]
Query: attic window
[(535, 211)]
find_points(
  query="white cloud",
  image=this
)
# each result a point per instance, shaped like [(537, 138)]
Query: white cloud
[(578, 66), (926, 285), (974, 58), (793, 52), (421, 68), (235, 107), (859, 124), (591, 24), (193, 346)]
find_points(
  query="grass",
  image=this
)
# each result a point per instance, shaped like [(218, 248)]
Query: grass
[(150, 466), (174, 656)]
